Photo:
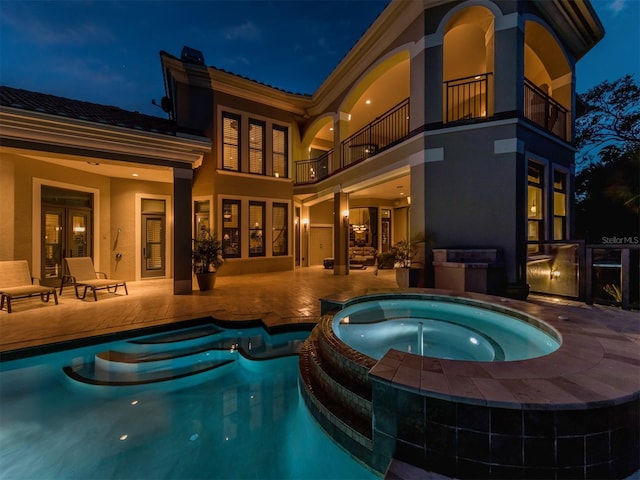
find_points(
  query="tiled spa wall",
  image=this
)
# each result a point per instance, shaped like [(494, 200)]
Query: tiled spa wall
[(476, 441)]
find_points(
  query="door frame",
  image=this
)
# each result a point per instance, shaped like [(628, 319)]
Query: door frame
[(168, 234), (36, 219), (311, 229)]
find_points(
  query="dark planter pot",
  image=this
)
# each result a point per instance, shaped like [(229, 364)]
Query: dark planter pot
[(206, 281), (517, 291)]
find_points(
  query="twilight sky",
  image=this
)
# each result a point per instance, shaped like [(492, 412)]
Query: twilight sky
[(107, 51)]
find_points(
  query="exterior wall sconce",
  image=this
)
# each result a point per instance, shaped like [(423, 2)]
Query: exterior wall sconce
[(345, 218), (554, 274), (305, 224)]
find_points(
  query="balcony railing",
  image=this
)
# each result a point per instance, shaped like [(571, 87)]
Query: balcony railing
[(467, 98), (385, 131), (545, 111), (314, 170)]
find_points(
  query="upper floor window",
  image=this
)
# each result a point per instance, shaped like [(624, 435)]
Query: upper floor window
[(256, 147), (280, 152), (230, 142)]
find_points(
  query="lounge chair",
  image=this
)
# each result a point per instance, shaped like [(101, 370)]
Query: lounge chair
[(16, 282), (82, 274)]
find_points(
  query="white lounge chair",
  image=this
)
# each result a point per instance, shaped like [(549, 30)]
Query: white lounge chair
[(82, 274), (16, 282)]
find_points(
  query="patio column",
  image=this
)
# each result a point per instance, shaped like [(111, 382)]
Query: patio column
[(341, 233), (182, 280)]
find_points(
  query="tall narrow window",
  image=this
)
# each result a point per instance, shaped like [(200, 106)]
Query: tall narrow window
[(535, 210), (202, 222), (256, 229), (559, 205), (280, 237), (280, 153), (231, 228), (256, 147), (230, 142)]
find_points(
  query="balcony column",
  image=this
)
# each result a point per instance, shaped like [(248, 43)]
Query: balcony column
[(340, 132), (509, 68), (341, 233)]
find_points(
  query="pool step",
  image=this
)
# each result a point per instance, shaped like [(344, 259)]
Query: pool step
[(182, 357)]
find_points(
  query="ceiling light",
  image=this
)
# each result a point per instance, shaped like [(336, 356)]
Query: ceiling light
[(93, 163), (331, 129), (135, 175), (368, 102)]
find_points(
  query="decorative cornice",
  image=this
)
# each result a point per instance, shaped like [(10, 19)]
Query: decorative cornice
[(40, 128)]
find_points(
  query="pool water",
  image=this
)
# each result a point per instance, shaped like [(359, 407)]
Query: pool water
[(441, 329), (248, 422)]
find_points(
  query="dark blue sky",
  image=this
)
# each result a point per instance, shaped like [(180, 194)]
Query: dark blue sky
[(108, 51)]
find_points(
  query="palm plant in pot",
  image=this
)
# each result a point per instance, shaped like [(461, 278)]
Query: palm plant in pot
[(206, 255), (403, 252)]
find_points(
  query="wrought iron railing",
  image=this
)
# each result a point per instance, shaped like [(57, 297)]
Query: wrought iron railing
[(468, 98), (385, 131), (545, 111), (313, 170)]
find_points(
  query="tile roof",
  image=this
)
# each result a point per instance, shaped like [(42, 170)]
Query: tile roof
[(91, 112)]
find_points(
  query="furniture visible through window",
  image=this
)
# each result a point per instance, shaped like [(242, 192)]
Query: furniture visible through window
[(231, 228), (256, 229), (279, 228)]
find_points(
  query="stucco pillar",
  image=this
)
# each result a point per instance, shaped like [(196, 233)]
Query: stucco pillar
[(509, 70), (341, 233), (182, 179)]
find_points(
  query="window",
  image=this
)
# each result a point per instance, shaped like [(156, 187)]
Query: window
[(280, 240), (231, 228), (201, 222), (256, 147), (230, 142), (559, 205), (534, 205), (280, 157), (256, 229)]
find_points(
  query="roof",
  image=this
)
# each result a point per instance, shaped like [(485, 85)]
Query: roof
[(90, 112)]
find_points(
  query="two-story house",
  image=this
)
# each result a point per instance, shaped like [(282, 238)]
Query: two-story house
[(448, 120)]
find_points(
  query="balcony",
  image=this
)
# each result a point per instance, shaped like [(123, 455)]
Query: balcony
[(387, 130), (468, 98), (543, 110), (314, 170)]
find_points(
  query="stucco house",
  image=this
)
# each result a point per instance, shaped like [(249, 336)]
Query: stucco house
[(448, 121)]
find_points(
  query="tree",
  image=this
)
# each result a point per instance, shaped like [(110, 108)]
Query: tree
[(607, 182)]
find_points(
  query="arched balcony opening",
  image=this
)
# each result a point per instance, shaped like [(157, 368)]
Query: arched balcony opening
[(468, 62), (318, 145), (548, 81), (377, 110)]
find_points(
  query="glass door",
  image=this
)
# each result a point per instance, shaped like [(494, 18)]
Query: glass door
[(66, 233), (153, 238)]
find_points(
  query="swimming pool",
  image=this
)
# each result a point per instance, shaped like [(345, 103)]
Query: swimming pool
[(442, 329), (245, 422)]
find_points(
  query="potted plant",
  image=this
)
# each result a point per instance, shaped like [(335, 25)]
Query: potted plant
[(403, 253), (206, 255)]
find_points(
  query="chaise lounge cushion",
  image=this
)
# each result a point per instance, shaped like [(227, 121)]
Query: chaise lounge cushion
[(16, 282), (83, 275)]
